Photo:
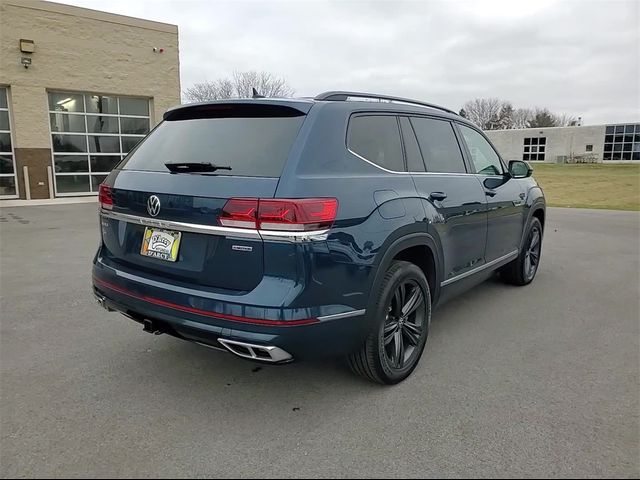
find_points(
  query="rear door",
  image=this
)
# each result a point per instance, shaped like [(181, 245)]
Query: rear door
[(505, 196), (253, 140), (453, 199)]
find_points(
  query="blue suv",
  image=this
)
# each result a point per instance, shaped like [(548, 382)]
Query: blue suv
[(284, 229)]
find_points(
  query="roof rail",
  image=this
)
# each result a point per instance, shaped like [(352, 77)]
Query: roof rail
[(340, 96)]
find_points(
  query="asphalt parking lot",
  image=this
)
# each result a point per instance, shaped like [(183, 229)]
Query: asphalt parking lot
[(537, 381)]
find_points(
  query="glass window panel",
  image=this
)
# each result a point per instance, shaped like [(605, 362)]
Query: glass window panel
[(527, 149), (626, 155), (620, 129), (3, 98), (70, 163), (5, 142), (636, 147), (629, 129), (99, 144), (484, 157), (534, 141), (138, 126), (101, 104), (608, 138), (69, 143), (128, 143), (527, 141), (134, 106), (608, 147), (412, 150), (628, 137), (627, 147), (439, 146), (61, 122), (104, 163), (66, 102), (7, 185), (635, 156), (607, 155), (525, 156), (72, 183), (610, 130), (534, 149), (99, 124), (589, 148), (541, 157), (617, 147), (616, 156), (636, 138), (541, 149), (6, 163), (542, 141), (4, 120), (96, 180), (619, 138)]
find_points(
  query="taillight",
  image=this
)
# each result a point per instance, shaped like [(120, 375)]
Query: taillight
[(297, 214), (105, 196), (291, 214), (240, 213)]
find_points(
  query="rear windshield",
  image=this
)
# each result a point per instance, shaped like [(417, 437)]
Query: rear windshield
[(249, 142)]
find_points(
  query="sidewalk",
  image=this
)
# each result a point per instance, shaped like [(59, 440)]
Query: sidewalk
[(48, 201)]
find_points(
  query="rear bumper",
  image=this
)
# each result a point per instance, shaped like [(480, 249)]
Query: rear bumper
[(303, 333)]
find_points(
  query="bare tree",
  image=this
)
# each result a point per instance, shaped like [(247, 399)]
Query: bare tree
[(566, 120), (520, 117), (240, 85), (484, 112)]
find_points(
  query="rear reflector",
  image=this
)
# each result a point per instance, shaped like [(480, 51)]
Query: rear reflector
[(105, 196), (290, 214)]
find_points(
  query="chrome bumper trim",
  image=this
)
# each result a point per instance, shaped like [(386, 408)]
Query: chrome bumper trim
[(337, 316), (267, 235)]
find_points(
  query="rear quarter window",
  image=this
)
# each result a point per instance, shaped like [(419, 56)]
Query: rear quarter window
[(377, 139), (253, 143)]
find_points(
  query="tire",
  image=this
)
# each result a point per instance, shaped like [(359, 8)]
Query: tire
[(400, 317), (523, 269)]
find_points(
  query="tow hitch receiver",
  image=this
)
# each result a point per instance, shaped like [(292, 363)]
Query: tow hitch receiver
[(151, 327)]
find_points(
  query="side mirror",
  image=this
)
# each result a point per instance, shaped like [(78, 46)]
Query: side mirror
[(520, 169)]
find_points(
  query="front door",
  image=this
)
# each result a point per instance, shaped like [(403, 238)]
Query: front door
[(505, 196), (454, 202)]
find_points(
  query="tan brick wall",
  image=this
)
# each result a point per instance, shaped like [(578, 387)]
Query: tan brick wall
[(82, 50)]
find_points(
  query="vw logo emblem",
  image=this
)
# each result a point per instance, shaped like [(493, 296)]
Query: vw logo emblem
[(153, 205)]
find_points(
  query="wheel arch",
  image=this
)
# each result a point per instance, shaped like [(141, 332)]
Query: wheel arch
[(420, 249)]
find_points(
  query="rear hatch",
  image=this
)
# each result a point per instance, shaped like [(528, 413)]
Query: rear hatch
[(216, 152)]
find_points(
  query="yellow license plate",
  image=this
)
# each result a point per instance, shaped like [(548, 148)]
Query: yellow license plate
[(162, 244)]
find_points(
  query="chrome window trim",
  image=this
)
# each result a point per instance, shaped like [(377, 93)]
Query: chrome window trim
[(506, 257), (267, 235), (409, 173)]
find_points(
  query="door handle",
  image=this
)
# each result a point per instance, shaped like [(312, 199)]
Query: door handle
[(439, 196), (490, 193)]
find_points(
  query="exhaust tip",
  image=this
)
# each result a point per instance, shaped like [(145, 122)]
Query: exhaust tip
[(264, 353)]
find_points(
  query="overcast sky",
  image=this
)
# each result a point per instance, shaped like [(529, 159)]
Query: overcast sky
[(580, 57)]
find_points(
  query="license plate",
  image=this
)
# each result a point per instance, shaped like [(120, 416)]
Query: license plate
[(162, 244)]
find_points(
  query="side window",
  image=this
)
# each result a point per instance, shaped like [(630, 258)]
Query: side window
[(411, 149), (377, 138), (439, 146), (485, 159)]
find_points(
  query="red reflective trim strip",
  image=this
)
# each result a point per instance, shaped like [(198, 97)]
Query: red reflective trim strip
[(206, 313)]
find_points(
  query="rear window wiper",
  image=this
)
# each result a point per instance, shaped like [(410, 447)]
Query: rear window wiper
[(188, 167)]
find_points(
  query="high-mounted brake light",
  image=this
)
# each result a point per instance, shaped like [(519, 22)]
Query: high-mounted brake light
[(291, 214), (105, 196)]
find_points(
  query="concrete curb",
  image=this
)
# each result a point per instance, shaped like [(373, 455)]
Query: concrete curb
[(47, 201)]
